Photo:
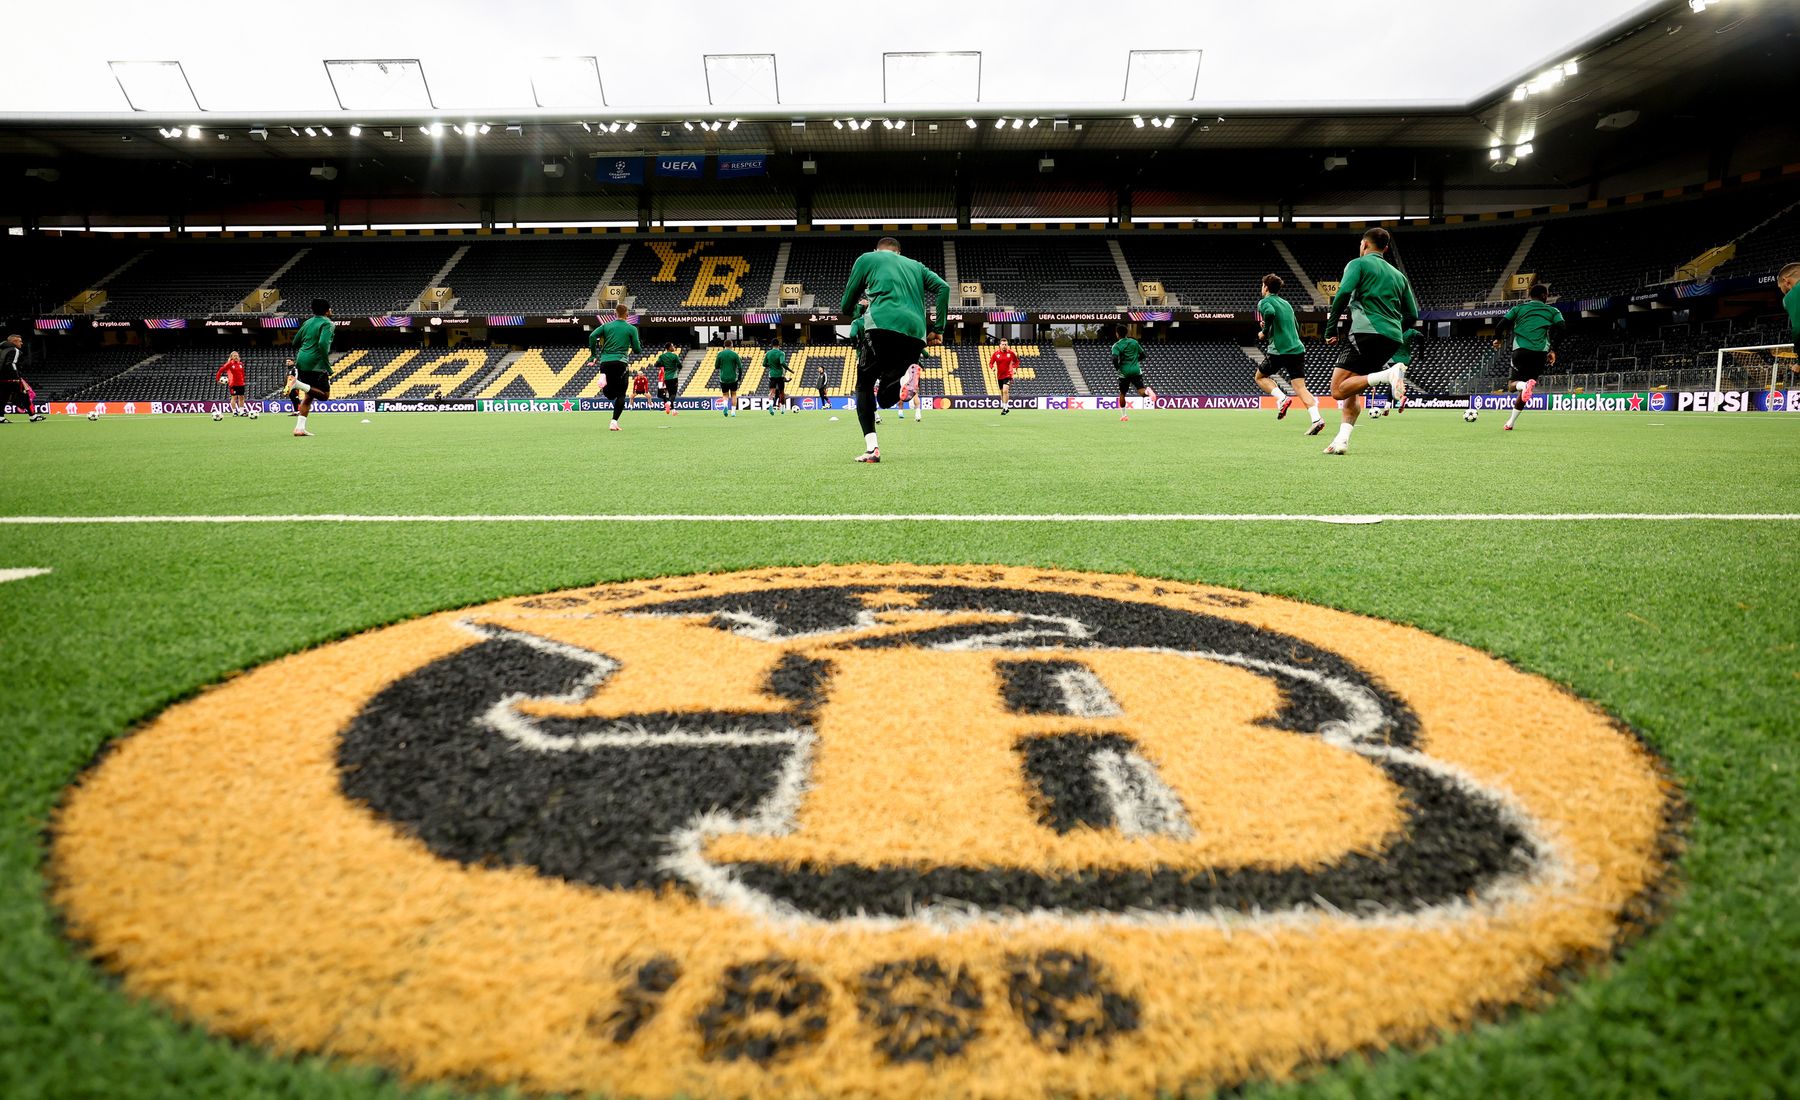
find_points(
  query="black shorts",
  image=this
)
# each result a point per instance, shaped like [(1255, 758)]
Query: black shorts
[(1528, 365), (728, 385), (668, 390), (237, 391), (615, 381), (1129, 382), (1366, 353), (777, 384), (888, 356), (317, 383), (1293, 366)]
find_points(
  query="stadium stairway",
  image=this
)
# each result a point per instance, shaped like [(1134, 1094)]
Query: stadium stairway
[(778, 275), (1126, 278), (419, 305), (610, 275), (1077, 384), (1504, 282), (1306, 282)]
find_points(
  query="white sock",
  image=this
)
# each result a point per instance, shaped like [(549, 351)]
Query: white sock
[(1343, 436), (1513, 417), (1384, 377), (869, 440), (300, 423)]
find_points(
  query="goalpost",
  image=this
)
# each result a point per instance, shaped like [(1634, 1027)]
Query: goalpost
[(1765, 367)]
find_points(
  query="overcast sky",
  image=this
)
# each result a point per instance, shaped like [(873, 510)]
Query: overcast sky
[(478, 56)]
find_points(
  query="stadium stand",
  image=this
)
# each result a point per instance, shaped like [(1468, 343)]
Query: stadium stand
[(684, 273), (1771, 245), (823, 267), (1075, 273), (1452, 268), (412, 373), (65, 374), (1595, 255), (1322, 254), (41, 275), (197, 280), (363, 278), (1216, 271), (187, 374), (528, 276)]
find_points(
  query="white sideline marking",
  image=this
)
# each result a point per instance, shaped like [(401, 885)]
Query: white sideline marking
[(940, 517), (20, 574)]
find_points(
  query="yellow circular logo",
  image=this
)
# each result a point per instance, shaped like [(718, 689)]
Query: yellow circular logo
[(864, 831)]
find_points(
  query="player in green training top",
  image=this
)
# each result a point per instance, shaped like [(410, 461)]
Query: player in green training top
[(895, 330), (668, 368), (311, 363), (612, 345), (1788, 282), (1533, 324), (731, 371), (1128, 357), (1285, 354), (1382, 308), (775, 363)]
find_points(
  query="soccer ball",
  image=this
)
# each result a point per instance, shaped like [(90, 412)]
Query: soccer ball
[(92, 415), (1469, 417), (253, 413), (217, 415)]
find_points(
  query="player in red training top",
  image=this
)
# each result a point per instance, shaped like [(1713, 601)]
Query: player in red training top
[(1005, 361), (231, 373)]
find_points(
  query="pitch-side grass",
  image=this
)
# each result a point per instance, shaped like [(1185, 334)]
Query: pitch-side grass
[(1686, 630)]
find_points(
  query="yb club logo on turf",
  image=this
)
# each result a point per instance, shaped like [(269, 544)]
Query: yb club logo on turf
[(865, 830)]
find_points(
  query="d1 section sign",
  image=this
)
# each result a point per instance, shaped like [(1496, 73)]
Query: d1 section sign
[(683, 837)]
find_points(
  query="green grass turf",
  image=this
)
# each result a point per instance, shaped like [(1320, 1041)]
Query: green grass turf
[(1686, 630)]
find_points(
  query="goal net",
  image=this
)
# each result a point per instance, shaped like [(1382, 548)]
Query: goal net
[(1768, 367)]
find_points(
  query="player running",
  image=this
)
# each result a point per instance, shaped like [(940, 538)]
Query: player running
[(311, 363), (1788, 282), (612, 344), (1005, 361), (1382, 308), (15, 392), (895, 330), (668, 368), (1533, 324), (1128, 357), (917, 400), (731, 370), (775, 362), (1285, 354), (231, 374)]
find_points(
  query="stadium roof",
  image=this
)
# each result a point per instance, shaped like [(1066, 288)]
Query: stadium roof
[(482, 57)]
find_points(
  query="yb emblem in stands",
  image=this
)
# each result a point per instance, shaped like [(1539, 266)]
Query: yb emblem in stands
[(716, 278), (876, 830)]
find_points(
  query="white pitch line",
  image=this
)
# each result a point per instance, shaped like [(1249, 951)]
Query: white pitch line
[(939, 517), (20, 574)]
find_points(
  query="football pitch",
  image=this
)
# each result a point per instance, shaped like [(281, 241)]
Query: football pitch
[(1656, 581)]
